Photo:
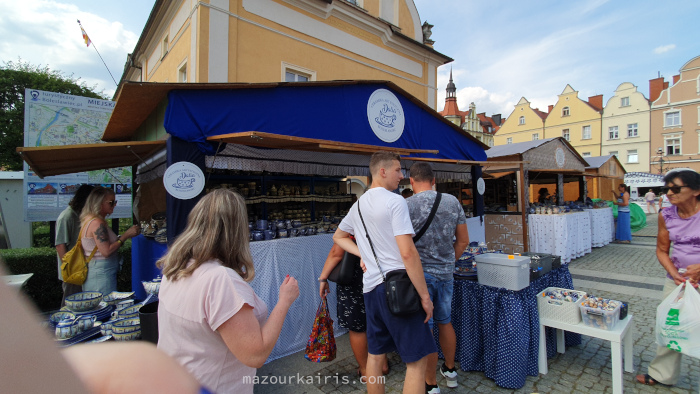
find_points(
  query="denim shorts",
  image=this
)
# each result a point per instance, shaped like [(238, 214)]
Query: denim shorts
[(386, 332), (441, 295)]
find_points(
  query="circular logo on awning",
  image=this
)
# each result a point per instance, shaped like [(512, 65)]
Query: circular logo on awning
[(481, 186), (385, 115), (183, 180), (561, 159)]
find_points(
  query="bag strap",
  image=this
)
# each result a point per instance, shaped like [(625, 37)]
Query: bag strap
[(376, 260), (79, 242), (423, 229)]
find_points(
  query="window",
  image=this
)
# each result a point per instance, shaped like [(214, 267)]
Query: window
[(672, 118), (292, 73), (565, 134), (535, 136), (164, 48), (632, 130), (509, 140), (565, 111), (521, 120), (625, 102), (672, 142), (182, 73), (632, 156), (586, 133), (586, 154), (613, 153), (613, 133)]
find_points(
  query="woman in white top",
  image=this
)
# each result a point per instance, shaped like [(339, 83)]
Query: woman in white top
[(209, 318), (664, 202), (102, 269)]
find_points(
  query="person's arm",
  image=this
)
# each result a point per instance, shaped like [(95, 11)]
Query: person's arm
[(61, 249), (250, 342), (660, 203), (101, 235), (663, 246), (334, 256), (414, 269), (342, 239), (462, 235)]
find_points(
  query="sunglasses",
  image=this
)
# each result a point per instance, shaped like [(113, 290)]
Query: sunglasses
[(112, 202), (674, 189)]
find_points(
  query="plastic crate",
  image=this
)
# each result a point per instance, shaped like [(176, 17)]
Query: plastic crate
[(503, 270), (559, 310), (545, 262), (600, 318)]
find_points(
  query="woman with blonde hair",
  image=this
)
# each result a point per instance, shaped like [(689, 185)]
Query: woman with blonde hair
[(209, 318), (102, 269)]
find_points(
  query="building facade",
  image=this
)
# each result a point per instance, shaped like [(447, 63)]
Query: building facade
[(675, 122), (524, 124), (626, 128), (578, 121), (287, 40)]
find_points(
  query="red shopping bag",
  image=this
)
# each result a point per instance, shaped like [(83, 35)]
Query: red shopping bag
[(321, 344)]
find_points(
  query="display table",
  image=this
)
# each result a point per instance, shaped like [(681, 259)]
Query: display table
[(144, 254), (302, 258), (623, 332), (498, 330), (567, 235), (602, 226)]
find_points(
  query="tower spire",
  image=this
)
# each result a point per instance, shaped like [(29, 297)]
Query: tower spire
[(451, 88)]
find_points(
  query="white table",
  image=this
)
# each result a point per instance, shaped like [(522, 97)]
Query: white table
[(622, 333), (567, 235), (602, 226), (16, 281)]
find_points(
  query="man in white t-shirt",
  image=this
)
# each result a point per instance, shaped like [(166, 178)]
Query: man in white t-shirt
[(386, 216), (650, 197)]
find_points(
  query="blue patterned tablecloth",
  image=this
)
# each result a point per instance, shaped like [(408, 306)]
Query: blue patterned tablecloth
[(302, 258), (498, 329)]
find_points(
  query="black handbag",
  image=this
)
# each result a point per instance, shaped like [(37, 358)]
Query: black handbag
[(344, 271), (401, 296)]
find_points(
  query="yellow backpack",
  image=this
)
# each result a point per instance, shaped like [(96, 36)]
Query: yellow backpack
[(75, 267)]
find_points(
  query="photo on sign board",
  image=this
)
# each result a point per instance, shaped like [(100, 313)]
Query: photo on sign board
[(122, 188), (68, 188), (42, 188)]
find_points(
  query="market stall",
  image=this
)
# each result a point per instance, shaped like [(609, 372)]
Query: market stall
[(515, 175), (603, 174), (288, 148)]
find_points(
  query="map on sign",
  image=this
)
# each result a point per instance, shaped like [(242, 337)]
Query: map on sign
[(54, 119)]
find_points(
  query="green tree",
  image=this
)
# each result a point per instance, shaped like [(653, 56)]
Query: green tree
[(15, 77)]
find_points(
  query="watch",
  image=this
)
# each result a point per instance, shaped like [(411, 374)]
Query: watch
[(322, 280)]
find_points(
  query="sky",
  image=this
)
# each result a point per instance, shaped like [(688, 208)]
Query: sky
[(502, 49)]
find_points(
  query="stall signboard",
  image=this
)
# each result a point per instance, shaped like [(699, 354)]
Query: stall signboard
[(385, 115), (54, 119), (183, 180)]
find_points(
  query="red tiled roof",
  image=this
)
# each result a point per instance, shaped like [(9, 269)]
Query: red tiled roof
[(541, 114)]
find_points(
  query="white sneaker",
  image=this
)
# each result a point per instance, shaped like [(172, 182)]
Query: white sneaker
[(450, 376), (434, 390)]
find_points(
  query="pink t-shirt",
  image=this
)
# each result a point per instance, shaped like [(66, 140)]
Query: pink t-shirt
[(190, 311)]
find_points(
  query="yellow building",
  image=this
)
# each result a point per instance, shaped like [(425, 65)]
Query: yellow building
[(524, 124), (287, 40), (578, 121)]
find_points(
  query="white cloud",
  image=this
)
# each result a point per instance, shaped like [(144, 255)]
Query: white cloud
[(47, 33), (664, 48)]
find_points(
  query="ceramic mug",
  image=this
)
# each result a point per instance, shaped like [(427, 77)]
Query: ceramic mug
[(282, 233), (270, 234), (124, 304), (86, 322)]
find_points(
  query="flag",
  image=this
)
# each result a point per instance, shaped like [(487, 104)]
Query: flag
[(85, 37)]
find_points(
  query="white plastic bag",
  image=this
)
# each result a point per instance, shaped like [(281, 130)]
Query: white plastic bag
[(678, 321)]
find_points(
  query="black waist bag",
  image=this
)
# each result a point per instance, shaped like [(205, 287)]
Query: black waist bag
[(401, 296)]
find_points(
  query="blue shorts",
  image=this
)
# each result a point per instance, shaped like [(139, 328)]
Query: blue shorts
[(386, 332), (441, 296)]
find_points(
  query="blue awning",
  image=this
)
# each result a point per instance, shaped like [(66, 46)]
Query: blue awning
[(342, 113)]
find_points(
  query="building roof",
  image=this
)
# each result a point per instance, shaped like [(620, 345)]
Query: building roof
[(515, 149), (597, 161)]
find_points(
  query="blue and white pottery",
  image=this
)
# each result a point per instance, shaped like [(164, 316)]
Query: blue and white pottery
[(270, 234), (116, 297), (86, 322), (296, 223), (129, 312), (129, 336), (58, 316), (261, 225), (123, 326), (85, 301), (282, 233), (124, 304), (67, 329), (258, 235)]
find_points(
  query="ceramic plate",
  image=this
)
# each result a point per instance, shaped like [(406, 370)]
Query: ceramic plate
[(102, 305)]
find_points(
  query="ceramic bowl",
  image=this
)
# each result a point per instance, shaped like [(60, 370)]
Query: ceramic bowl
[(124, 326), (129, 336), (58, 316), (116, 297), (85, 301)]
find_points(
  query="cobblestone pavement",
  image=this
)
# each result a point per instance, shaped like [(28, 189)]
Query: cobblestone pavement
[(625, 272)]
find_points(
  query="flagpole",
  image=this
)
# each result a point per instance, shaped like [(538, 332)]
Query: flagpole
[(88, 41)]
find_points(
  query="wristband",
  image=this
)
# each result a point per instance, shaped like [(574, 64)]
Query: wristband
[(322, 280), (120, 241)]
